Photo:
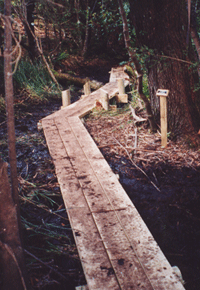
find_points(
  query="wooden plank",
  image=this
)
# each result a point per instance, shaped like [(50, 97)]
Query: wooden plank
[(112, 88), (96, 265), (155, 264), (149, 254), (92, 189), (111, 233), (115, 246), (125, 262), (84, 106), (117, 73)]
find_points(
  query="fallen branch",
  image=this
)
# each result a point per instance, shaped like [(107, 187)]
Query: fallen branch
[(2, 123), (135, 117), (63, 77), (136, 120), (41, 207), (12, 254), (43, 263), (39, 48), (136, 164)]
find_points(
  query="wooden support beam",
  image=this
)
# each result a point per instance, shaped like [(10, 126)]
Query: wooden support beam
[(87, 90), (85, 287), (66, 98), (121, 87), (122, 97), (104, 100)]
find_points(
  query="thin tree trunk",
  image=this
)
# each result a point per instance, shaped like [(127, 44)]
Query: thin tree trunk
[(138, 69), (28, 9), (196, 40), (11, 252), (77, 8), (9, 104), (10, 244), (193, 30), (85, 46)]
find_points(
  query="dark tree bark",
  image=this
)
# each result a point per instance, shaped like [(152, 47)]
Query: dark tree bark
[(1, 38), (162, 27), (85, 45), (193, 30), (9, 103), (137, 65), (12, 260), (28, 10), (11, 253)]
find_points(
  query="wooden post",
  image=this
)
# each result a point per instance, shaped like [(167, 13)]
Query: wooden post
[(104, 100), (163, 120), (163, 115), (84, 287), (121, 86), (87, 89), (66, 98), (122, 97)]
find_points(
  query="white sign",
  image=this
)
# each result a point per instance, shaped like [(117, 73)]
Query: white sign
[(162, 93)]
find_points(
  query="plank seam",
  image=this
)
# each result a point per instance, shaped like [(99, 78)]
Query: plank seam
[(101, 240), (78, 111), (113, 209)]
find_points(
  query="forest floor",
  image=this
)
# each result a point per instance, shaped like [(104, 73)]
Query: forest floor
[(163, 184)]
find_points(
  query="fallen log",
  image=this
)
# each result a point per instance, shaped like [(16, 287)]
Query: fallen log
[(63, 77)]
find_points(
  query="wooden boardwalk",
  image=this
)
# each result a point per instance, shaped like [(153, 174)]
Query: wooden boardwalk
[(116, 249)]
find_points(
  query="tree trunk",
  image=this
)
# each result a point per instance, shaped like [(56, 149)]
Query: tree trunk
[(11, 252), (85, 45), (161, 26), (193, 31), (28, 10), (77, 9), (133, 58), (9, 104)]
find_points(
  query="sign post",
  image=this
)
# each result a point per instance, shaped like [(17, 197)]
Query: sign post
[(163, 115)]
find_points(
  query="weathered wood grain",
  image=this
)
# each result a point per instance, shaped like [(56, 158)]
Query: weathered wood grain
[(116, 248), (148, 252), (94, 258)]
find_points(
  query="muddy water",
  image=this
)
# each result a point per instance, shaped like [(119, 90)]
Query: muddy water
[(171, 214)]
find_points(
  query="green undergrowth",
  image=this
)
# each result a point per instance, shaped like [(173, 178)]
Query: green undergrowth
[(35, 82), (33, 85), (2, 106)]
